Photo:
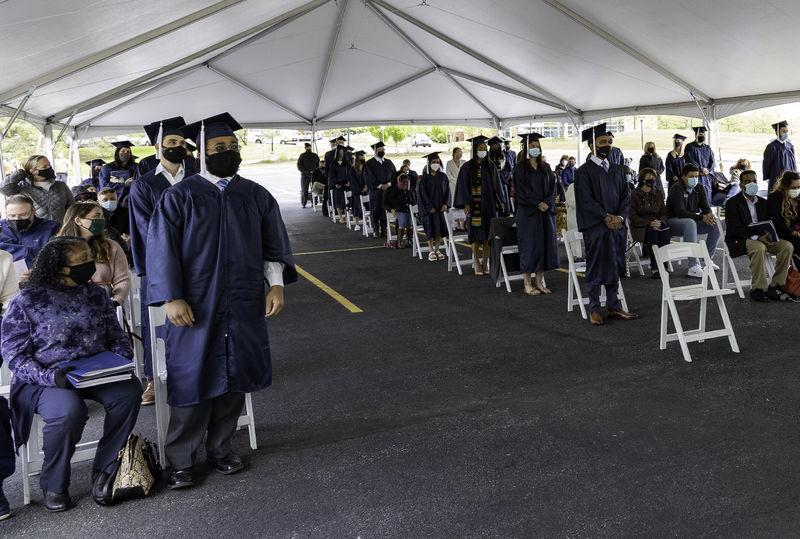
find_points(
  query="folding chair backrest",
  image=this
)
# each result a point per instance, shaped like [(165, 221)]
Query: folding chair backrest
[(5, 381), (158, 318), (572, 239), (681, 250)]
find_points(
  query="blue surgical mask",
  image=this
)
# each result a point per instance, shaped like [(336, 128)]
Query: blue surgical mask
[(784, 137), (692, 182), (109, 205), (534, 152), (751, 189)]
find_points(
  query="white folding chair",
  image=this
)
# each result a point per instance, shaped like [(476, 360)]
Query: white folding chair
[(31, 454), (453, 259), (390, 220), (158, 318), (707, 288), (573, 239), (348, 209), (503, 276), (366, 216), (135, 321), (728, 266), (316, 200), (417, 247), (634, 256)]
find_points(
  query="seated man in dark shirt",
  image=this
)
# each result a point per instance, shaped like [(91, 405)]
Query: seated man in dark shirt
[(742, 210), (690, 215)]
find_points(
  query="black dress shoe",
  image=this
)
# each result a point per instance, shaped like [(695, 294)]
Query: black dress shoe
[(57, 501), (759, 295), (101, 493), (775, 293), (228, 464), (180, 479)]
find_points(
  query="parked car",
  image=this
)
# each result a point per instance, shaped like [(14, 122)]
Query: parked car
[(421, 140)]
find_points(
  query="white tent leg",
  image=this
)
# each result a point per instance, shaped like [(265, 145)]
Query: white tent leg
[(48, 142), (75, 157)]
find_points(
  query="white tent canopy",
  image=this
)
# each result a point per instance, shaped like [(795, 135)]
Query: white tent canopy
[(107, 67)]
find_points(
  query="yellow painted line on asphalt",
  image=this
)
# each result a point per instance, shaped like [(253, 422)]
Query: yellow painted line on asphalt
[(346, 303), (340, 250)]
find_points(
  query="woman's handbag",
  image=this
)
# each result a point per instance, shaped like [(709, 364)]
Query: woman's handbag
[(136, 471), (792, 285)]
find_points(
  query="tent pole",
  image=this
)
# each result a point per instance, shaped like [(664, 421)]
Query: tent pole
[(15, 115), (75, 155), (65, 126), (48, 143)]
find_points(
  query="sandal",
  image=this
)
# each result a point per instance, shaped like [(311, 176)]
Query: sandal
[(478, 270), (440, 255), (544, 290), (432, 257), (532, 291)]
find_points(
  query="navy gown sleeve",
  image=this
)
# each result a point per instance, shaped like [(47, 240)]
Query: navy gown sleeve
[(766, 167), (141, 207), (588, 210), (164, 236), (275, 239), (424, 199), (463, 195)]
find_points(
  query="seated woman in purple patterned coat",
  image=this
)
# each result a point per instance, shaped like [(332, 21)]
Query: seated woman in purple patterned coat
[(59, 315)]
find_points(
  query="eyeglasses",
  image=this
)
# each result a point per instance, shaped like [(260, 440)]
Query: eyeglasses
[(219, 148)]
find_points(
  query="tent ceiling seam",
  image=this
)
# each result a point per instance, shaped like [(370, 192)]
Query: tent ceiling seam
[(341, 12)]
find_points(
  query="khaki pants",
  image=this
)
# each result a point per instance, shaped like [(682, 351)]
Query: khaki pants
[(757, 253)]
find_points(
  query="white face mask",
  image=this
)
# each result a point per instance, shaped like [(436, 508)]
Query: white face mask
[(435, 167), (534, 152), (794, 193), (481, 154)]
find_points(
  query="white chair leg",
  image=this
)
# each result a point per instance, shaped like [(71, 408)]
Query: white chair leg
[(621, 296), (703, 312), (673, 309), (664, 325), (26, 477), (579, 294), (251, 426)]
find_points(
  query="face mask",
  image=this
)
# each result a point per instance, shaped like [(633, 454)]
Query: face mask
[(481, 154), (435, 167), (19, 224), (751, 189), (224, 164), (650, 183), (651, 150), (109, 205), (701, 139), (603, 151), (783, 137), (794, 193), (563, 163), (534, 152), (82, 273), (97, 226), (174, 154), (48, 174), (123, 158), (742, 167), (381, 153), (677, 143), (692, 182)]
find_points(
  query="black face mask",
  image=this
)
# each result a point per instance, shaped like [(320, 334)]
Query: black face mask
[(48, 174), (650, 183), (82, 273), (175, 154), (603, 151), (381, 153), (677, 143), (18, 225), (224, 164), (651, 150), (701, 139)]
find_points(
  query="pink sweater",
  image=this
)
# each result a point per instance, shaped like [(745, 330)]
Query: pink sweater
[(115, 276)]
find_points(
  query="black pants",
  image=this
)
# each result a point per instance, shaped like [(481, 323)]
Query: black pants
[(305, 181), (187, 424), (326, 197), (658, 238)]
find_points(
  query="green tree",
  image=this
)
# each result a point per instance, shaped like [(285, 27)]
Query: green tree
[(397, 133)]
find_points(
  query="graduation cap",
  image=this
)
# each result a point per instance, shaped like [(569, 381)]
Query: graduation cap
[(700, 129), (476, 141), (189, 146), (359, 153), (220, 125), (156, 131), (678, 136), (777, 127), (496, 140), (525, 138), (431, 156), (95, 163), (377, 145), (588, 135), (609, 134), (123, 144), (349, 149)]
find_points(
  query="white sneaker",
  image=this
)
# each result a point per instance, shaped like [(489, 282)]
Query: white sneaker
[(695, 271), (358, 227)]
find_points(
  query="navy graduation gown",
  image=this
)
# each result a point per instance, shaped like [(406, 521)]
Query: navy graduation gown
[(702, 156), (598, 193), (119, 188), (674, 167), (536, 230), (211, 249), (778, 156), (492, 201), (433, 192), (338, 181), (358, 183)]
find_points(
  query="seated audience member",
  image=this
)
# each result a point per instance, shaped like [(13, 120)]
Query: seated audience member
[(397, 199), (60, 315), (82, 194), (85, 220), (742, 210), (37, 180), (690, 215), (723, 188), (22, 233), (116, 215), (783, 204), (648, 216), (406, 167), (9, 286)]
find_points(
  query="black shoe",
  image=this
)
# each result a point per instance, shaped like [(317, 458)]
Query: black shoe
[(227, 465), (101, 493), (57, 501), (775, 293), (180, 479), (655, 275), (759, 295)]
